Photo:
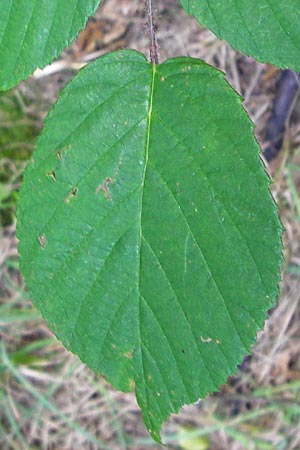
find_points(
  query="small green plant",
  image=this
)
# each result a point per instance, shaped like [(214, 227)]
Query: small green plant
[(148, 236)]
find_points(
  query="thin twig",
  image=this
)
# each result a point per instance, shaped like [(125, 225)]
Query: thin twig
[(151, 33)]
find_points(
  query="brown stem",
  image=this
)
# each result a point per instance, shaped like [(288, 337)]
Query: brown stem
[(151, 33)]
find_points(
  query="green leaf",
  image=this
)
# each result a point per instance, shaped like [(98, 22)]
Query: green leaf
[(148, 236), (267, 30), (34, 32)]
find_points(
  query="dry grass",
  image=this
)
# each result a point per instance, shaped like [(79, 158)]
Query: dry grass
[(48, 399)]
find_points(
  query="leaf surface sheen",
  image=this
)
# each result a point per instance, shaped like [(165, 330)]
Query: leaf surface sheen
[(148, 236), (267, 30), (34, 32)]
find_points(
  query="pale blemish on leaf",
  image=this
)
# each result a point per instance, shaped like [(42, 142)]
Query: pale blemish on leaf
[(206, 340), (131, 383), (42, 241), (59, 153), (105, 187)]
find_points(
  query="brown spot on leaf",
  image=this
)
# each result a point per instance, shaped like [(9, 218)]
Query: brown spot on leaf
[(52, 175), (102, 376), (71, 194)]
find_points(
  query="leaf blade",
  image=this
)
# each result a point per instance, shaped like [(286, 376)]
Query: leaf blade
[(158, 269), (266, 29), (33, 33)]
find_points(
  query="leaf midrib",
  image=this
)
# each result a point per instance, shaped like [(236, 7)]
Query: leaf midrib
[(146, 156)]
